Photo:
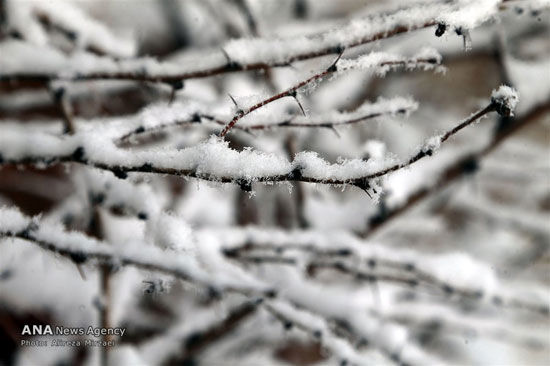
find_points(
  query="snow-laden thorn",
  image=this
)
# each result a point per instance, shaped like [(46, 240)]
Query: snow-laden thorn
[(441, 28), (505, 100)]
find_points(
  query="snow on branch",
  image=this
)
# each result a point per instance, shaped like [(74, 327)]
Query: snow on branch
[(318, 328), (464, 14), (160, 117), (29, 19), (41, 63), (212, 160), (454, 274), (393, 207), (203, 328), (80, 248)]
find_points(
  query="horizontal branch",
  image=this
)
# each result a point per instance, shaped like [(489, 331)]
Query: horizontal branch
[(245, 54), (213, 160), (81, 249), (157, 118), (468, 164), (371, 262), (32, 22), (318, 328), (408, 275)]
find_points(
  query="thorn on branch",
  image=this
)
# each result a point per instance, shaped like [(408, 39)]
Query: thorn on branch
[(119, 172), (78, 154), (26, 234), (295, 96), (333, 129), (60, 99), (146, 168), (240, 112), (231, 64), (58, 94), (78, 257), (333, 68), (196, 118), (244, 184), (441, 28), (176, 85), (364, 185), (295, 174)]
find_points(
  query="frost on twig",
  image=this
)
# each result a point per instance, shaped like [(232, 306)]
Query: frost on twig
[(203, 161), (242, 54), (81, 249), (30, 20), (505, 100), (159, 117), (381, 62)]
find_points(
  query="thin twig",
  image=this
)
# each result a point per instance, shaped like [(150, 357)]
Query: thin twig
[(286, 123), (121, 170), (230, 66), (292, 91), (466, 165)]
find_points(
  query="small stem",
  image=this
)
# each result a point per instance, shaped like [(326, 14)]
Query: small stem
[(291, 92)]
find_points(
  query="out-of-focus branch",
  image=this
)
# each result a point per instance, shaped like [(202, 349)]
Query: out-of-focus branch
[(465, 165), (199, 341), (80, 249), (288, 123), (191, 71), (396, 272)]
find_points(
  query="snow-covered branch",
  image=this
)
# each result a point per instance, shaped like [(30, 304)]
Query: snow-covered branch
[(204, 162)]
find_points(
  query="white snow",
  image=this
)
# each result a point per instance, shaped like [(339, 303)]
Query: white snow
[(506, 98)]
